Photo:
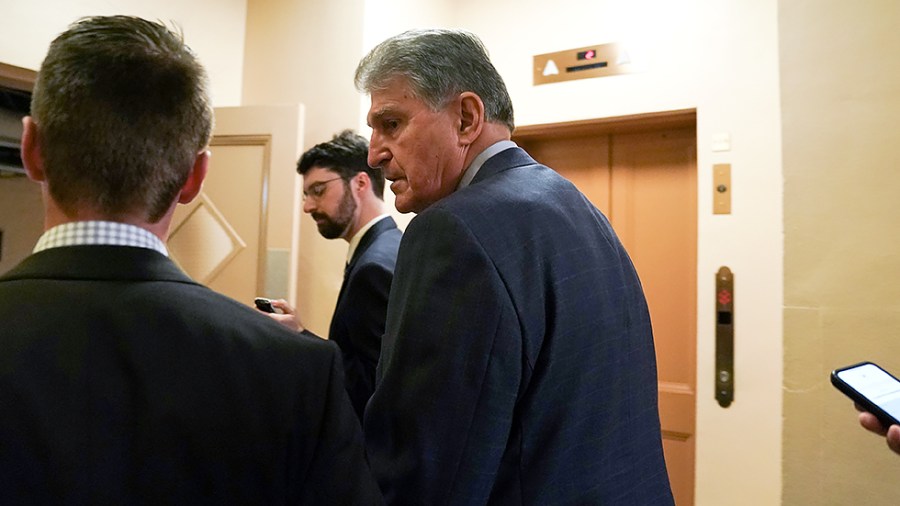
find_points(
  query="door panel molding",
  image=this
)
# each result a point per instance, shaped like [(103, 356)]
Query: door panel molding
[(605, 126), (17, 78), (264, 142)]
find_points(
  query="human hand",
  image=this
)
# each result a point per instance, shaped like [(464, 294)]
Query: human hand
[(288, 316), (871, 423)]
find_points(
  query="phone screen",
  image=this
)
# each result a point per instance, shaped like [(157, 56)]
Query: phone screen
[(875, 384)]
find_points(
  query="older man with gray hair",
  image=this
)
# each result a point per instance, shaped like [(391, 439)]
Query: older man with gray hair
[(517, 363)]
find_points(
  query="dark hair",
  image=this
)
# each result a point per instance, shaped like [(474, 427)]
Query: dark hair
[(122, 110), (347, 155), (438, 65)]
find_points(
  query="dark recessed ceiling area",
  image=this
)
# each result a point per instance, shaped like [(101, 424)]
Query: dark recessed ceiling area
[(15, 100), (14, 104)]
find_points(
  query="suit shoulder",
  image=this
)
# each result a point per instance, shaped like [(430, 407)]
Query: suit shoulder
[(382, 252), (213, 313)]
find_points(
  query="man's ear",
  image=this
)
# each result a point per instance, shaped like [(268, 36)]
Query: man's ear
[(194, 182), (32, 158), (361, 181), (471, 115)]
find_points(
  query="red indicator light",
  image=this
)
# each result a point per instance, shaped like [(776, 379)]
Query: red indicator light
[(724, 297)]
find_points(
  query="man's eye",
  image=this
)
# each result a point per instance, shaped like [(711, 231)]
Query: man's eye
[(390, 124)]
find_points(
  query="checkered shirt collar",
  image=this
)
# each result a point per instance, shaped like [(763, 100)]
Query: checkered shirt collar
[(99, 233)]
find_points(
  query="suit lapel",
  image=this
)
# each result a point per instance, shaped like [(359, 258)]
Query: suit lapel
[(374, 231), (377, 229)]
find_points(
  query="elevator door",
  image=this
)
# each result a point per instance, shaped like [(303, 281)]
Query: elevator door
[(644, 178)]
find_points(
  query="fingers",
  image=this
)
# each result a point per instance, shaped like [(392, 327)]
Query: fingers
[(871, 423), (893, 438), (892, 433), (284, 314), (283, 306), (288, 320)]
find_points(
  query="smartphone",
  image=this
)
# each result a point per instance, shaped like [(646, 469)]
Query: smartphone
[(264, 304), (873, 388)]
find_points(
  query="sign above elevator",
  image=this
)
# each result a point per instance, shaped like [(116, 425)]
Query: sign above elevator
[(582, 63)]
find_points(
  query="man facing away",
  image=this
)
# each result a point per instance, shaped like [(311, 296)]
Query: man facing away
[(122, 381), (517, 364), (346, 199)]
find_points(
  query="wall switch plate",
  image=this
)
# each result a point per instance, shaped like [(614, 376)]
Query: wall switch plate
[(721, 142), (722, 188)]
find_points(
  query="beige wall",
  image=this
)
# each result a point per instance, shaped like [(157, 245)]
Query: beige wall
[(841, 107), (213, 28)]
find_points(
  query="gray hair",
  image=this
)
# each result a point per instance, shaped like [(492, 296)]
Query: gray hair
[(438, 65)]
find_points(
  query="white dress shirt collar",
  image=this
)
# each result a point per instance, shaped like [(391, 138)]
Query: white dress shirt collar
[(354, 241), (479, 160)]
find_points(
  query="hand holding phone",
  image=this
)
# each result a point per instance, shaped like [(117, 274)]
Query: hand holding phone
[(871, 388), (264, 304), (281, 311)]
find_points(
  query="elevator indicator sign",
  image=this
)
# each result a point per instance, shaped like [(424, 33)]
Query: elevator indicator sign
[(599, 60)]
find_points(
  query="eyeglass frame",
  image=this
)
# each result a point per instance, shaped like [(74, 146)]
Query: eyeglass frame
[(317, 190)]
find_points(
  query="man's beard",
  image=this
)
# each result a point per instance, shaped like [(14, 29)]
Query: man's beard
[(334, 227)]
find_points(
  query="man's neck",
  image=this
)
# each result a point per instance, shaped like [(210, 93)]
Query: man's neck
[(54, 216), (368, 211), (491, 133)]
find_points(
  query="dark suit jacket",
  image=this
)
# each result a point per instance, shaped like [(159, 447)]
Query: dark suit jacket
[(517, 364), (124, 382), (358, 321)]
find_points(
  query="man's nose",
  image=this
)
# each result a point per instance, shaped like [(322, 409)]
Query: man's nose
[(378, 153), (309, 205)]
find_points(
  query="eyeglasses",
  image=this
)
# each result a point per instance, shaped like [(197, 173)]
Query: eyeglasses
[(316, 190)]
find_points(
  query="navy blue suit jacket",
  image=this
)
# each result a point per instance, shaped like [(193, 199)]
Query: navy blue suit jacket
[(124, 382), (518, 364), (358, 321)]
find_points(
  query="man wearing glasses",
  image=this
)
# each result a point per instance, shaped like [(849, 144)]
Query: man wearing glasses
[(345, 198)]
